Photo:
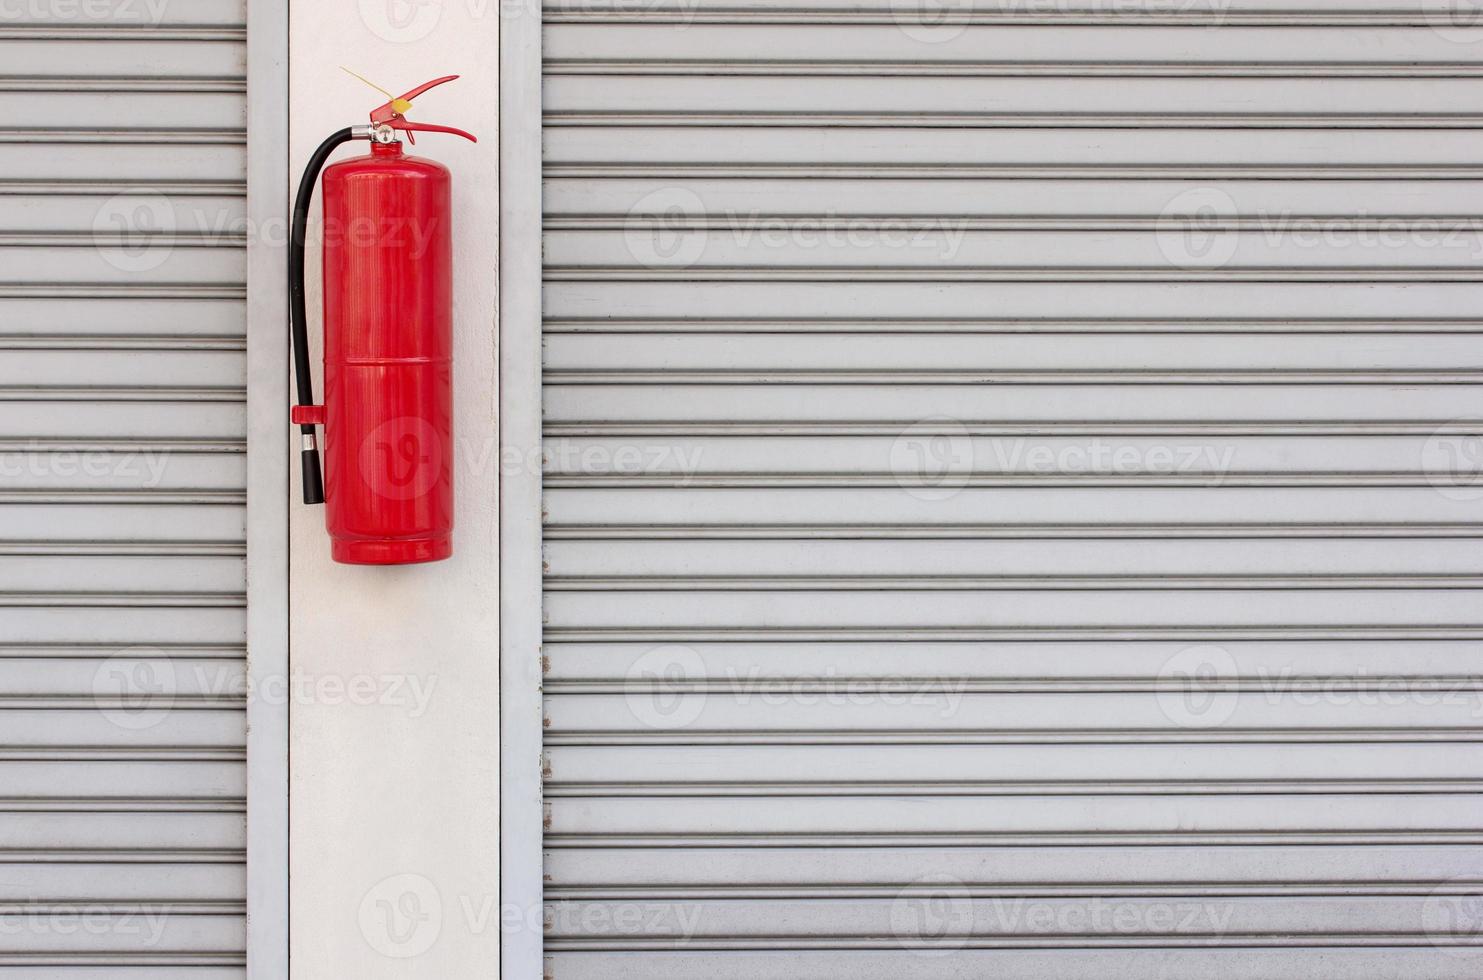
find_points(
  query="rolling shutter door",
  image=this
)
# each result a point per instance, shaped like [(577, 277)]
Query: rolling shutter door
[(122, 166), (1010, 488)]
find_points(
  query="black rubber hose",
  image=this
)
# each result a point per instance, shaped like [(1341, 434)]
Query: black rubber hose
[(298, 317)]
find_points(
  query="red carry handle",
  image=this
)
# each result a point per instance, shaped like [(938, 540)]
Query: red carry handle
[(410, 127)]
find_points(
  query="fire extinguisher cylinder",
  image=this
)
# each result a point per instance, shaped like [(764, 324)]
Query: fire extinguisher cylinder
[(387, 478), (388, 357)]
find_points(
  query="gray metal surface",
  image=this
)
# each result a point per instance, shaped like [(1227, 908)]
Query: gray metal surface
[(1011, 490), (122, 335)]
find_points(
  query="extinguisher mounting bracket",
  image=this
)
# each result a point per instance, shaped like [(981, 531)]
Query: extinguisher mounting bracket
[(306, 414)]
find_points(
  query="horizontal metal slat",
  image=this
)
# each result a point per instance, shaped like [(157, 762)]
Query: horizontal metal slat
[(38, 57), (98, 522), (673, 298), (884, 711), (888, 607), (108, 14), (913, 119), (152, 931), (152, 715), (123, 780), (112, 960), (1413, 13), (1338, 666), (949, 192), (145, 82), (83, 137), (125, 466), (958, 47), (823, 770), (827, 147), (1110, 869), (125, 626), (1008, 352), (1396, 963), (80, 368), (1009, 532), (950, 326), (125, 289), (1115, 406), (906, 67), (730, 377), (37, 831), (122, 262), (146, 416), (989, 922), (181, 675), (150, 211), (747, 172), (160, 970), (160, 158), (921, 101), (881, 250), (962, 817), (198, 110), (158, 573), (122, 315), (1078, 507), (976, 458), (571, 562), (220, 881)]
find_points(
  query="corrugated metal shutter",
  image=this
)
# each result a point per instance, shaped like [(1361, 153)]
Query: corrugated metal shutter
[(122, 167), (1009, 490)]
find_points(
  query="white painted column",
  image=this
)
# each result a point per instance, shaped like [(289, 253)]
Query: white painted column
[(394, 830)]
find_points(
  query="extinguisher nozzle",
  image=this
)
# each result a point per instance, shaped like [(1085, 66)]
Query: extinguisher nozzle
[(313, 481)]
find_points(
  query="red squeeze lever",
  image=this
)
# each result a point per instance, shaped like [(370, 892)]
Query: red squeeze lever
[(391, 114)]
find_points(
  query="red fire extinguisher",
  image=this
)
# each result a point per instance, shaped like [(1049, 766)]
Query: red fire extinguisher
[(388, 344)]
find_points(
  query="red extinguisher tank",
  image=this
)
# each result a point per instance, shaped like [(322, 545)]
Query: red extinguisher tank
[(388, 358), (387, 480)]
